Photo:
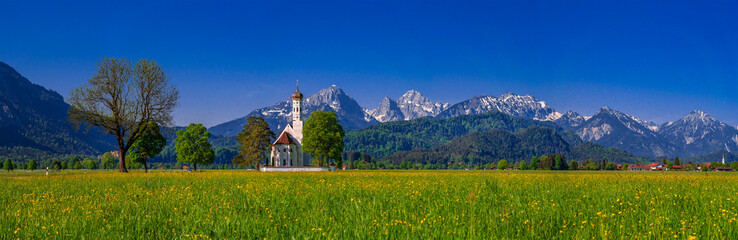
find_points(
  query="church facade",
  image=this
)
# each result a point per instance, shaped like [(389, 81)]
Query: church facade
[(287, 149)]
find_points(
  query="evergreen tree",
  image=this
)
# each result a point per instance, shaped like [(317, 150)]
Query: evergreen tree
[(255, 141), (8, 166), (32, 165), (677, 161), (560, 163), (573, 165)]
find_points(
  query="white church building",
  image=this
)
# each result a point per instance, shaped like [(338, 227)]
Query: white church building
[(287, 154)]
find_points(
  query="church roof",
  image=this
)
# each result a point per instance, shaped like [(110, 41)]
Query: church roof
[(297, 94), (284, 138)]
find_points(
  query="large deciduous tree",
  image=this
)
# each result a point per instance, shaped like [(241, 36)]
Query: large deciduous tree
[(193, 146), (255, 140), (323, 137), (148, 145), (121, 99)]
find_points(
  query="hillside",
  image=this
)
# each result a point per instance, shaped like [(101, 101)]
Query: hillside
[(33, 121), (387, 138), (479, 148)]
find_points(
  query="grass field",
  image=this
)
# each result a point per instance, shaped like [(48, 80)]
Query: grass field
[(369, 205)]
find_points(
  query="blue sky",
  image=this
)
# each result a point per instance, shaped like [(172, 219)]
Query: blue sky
[(657, 60)]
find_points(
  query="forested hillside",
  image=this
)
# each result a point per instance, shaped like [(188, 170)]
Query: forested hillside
[(387, 138), (479, 148)]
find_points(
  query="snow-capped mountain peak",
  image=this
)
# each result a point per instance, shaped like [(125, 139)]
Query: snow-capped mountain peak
[(516, 105), (410, 105), (627, 118)]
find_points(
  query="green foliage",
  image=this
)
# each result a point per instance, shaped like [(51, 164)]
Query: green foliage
[(107, 161), (523, 166), (193, 145), (255, 142), (8, 165), (502, 164), (148, 145), (734, 165), (64, 165), (573, 165), (388, 138), (77, 165), (560, 163), (323, 137), (32, 165), (611, 166), (535, 163), (624, 167), (596, 151), (56, 165)]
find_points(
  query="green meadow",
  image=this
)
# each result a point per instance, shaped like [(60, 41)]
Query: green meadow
[(368, 205)]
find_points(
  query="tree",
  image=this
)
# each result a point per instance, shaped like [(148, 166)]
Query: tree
[(523, 165), (502, 164), (734, 165), (624, 167), (77, 165), (573, 165), (323, 137), (73, 161), (193, 146), (256, 140), (535, 163), (8, 166), (56, 165), (148, 145), (611, 166), (121, 99), (677, 162), (32, 165), (64, 165), (560, 163), (91, 164), (107, 161)]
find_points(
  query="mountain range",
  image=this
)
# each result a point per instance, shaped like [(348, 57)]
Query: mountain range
[(696, 133), (33, 120)]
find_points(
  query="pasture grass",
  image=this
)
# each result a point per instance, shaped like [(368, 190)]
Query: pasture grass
[(368, 205)]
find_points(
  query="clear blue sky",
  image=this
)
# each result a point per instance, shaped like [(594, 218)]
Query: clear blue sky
[(657, 60)]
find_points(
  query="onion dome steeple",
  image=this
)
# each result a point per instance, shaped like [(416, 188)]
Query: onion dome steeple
[(297, 94)]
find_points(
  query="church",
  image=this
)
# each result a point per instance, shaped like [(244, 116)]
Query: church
[(287, 149)]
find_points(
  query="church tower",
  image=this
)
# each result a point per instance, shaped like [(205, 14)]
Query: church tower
[(297, 113)]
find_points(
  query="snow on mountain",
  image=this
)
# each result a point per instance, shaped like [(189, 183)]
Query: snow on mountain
[(350, 114), (701, 133), (414, 105), (570, 120), (387, 111), (612, 128), (516, 105)]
